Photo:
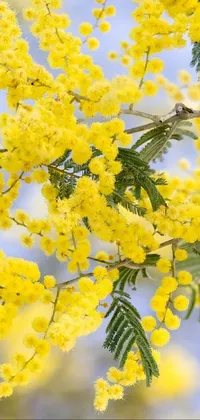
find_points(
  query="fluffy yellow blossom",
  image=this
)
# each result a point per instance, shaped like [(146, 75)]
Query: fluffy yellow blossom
[(184, 278), (181, 254), (184, 164), (112, 55), (160, 337), (169, 284), (158, 303), (40, 324), (172, 322), (6, 389), (163, 265), (150, 88), (181, 303), (148, 323), (49, 282), (104, 26), (85, 28), (93, 43), (27, 240)]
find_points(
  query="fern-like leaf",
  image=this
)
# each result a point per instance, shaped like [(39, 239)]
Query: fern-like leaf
[(123, 331), (196, 56)]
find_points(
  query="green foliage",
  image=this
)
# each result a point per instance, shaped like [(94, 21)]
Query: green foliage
[(196, 56), (126, 203), (65, 184), (125, 330), (149, 135), (192, 264), (160, 141), (192, 302), (137, 173), (128, 275)]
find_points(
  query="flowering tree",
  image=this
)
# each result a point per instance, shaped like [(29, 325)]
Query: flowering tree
[(98, 180)]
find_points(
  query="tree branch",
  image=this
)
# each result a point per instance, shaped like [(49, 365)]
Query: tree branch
[(154, 118), (179, 113)]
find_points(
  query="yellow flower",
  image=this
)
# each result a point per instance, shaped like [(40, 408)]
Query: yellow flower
[(40, 324), (42, 347), (158, 303), (100, 403), (85, 28), (49, 282), (184, 164), (5, 389), (112, 55), (172, 322), (104, 26), (27, 240), (163, 265), (93, 43), (148, 323), (169, 284), (150, 88), (30, 340), (160, 337), (116, 392), (110, 11), (181, 254), (181, 303), (184, 278)]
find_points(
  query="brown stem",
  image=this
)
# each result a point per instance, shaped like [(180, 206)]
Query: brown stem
[(13, 184)]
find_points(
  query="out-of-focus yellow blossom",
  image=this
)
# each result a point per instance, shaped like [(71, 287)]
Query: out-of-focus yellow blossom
[(163, 265), (178, 376)]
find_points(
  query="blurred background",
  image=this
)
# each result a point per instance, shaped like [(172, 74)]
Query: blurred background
[(65, 388)]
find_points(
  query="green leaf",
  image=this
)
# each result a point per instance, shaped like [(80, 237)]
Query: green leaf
[(191, 304), (124, 337), (131, 158), (123, 331), (114, 317), (112, 307), (192, 264), (129, 306), (155, 197), (186, 124), (150, 135), (196, 56), (127, 348), (151, 259), (186, 133), (127, 276), (153, 148), (127, 204)]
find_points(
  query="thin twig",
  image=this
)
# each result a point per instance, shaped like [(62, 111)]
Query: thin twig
[(145, 67), (97, 22), (13, 184), (167, 243), (154, 118), (54, 311), (62, 171)]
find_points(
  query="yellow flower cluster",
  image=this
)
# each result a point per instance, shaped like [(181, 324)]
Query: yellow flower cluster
[(131, 374), (161, 302)]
